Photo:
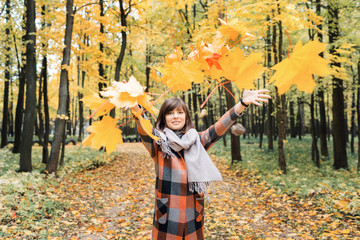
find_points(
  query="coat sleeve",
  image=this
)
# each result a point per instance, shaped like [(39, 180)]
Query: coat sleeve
[(216, 131), (148, 142)]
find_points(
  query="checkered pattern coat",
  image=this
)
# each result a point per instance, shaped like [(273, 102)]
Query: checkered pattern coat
[(179, 213)]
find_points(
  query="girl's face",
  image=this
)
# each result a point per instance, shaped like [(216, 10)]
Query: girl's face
[(175, 119)]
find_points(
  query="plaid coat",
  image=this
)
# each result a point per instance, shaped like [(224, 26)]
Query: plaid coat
[(179, 213)]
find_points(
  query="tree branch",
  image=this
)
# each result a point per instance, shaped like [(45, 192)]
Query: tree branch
[(85, 5)]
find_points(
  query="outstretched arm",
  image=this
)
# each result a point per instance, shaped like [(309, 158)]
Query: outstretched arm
[(216, 131), (148, 142)]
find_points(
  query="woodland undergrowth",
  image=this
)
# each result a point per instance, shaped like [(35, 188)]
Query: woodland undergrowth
[(27, 198), (333, 191)]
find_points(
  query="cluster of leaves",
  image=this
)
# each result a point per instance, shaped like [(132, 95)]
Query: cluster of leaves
[(208, 61), (30, 201), (332, 190)]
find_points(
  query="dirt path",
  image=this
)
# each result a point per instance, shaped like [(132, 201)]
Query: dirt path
[(116, 202)]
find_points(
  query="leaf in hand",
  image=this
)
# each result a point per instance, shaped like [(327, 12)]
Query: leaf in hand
[(145, 125), (299, 68), (104, 133)]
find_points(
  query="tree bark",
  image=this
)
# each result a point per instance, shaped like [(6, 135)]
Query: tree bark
[(358, 113), (281, 107), (30, 75), (120, 59), (235, 140), (292, 120), (323, 141), (19, 112), (314, 149), (5, 119), (353, 125), (339, 126), (62, 113)]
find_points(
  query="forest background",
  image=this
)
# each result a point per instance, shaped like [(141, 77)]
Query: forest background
[(55, 53)]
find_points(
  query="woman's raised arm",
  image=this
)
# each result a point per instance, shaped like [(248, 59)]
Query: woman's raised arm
[(216, 131)]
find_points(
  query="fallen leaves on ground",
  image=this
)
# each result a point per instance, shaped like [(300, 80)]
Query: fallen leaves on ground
[(116, 202)]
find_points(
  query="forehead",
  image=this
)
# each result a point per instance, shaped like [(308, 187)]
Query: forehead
[(178, 108)]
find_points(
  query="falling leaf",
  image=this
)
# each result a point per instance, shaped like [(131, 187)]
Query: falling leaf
[(124, 94), (95, 102), (228, 30), (242, 70), (104, 133), (299, 68), (179, 74)]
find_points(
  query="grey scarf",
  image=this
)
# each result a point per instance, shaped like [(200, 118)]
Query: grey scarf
[(200, 169)]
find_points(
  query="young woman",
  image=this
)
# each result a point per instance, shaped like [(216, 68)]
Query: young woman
[(183, 167)]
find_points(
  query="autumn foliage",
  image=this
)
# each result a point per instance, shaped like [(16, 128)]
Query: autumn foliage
[(207, 62)]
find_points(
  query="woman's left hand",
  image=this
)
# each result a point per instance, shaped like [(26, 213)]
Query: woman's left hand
[(255, 96)]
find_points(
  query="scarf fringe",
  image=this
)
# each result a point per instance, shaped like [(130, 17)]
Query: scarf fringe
[(201, 187)]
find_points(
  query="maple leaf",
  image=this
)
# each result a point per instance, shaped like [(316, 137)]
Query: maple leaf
[(211, 53), (145, 125), (228, 30), (95, 102), (240, 69), (124, 94), (104, 133), (181, 74), (178, 74), (299, 68), (128, 94)]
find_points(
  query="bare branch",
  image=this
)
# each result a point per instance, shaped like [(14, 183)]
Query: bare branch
[(85, 5)]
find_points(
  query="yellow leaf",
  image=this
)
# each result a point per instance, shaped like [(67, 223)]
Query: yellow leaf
[(300, 66), (124, 94), (145, 125), (144, 101), (243, 71), (104, 133), (95, 102)]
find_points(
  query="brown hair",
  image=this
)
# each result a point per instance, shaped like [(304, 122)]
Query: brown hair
[(169, 105)]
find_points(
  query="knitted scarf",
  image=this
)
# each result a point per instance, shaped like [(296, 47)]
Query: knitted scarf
[(200, 169)]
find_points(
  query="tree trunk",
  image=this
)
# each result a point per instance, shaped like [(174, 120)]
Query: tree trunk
[(235, 140), (292, 120), (20, 101), (5, 119), (358, 113), (195, 105), (30, 75), (314, 149), (323, 142), (353, 125), (148, 69), (280, 105), (339, 136), (281, 116), (120, 59), (81, 104), (63, 91), (46, 113), (262, 124), (299, 120)]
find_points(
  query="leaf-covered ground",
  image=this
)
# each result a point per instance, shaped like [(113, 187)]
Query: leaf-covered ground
[(115, 201)]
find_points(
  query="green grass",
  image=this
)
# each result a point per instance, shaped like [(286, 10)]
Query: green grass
[(333, 190)]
